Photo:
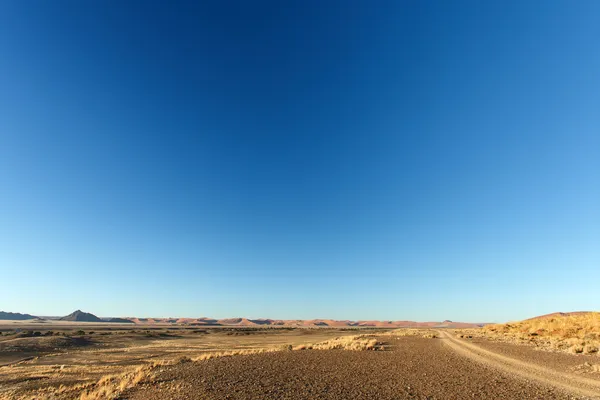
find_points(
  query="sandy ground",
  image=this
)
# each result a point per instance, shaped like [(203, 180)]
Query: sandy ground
[(31, 364), (65, 365), (411, 368)]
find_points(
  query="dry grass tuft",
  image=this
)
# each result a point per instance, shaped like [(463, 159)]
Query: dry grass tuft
[(237, 352), (403, 332), (112, 386), (355, 343)]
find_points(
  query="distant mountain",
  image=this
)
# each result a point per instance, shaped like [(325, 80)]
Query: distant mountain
[(15, 316), (80, 316)]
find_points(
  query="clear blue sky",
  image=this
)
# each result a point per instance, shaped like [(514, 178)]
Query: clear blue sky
[(350, 160)]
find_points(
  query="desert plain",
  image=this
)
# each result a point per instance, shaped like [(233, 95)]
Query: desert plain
[(549, 357)]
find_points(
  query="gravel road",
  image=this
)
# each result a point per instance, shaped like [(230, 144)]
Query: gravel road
[(412, 368), (529, 369)]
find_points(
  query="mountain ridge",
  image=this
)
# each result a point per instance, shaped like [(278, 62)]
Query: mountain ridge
[(10, 316)]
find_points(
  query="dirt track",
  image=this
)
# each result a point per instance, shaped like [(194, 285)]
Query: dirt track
[(527, 370), (413, 368)]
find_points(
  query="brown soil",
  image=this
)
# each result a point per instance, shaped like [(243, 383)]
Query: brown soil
[(411, 368)]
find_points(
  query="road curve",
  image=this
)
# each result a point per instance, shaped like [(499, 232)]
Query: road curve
[(564, 381)]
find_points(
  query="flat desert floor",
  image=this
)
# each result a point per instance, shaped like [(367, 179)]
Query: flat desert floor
[(133, 362)]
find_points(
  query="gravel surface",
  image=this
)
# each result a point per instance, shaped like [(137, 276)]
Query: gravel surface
[(556, 360), (412, 368)]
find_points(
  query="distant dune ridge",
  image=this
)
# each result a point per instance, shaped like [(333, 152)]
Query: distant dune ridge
[(119, 320), (81, 316), (246, 322)]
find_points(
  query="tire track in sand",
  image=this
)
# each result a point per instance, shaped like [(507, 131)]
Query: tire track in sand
[(564, 381)]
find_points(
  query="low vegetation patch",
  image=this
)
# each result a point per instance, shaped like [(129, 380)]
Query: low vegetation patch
[(357, 343), (403, 332), (237, 352), (42, 343), (572, 333), (112, 386), (85, 367)]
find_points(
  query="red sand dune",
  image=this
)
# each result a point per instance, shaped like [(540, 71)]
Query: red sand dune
[(237, 322), (304, 323)]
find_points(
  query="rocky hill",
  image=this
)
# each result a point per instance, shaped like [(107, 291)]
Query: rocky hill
[(80, 316)]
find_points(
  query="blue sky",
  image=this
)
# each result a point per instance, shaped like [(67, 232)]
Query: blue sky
[(349, 160)]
